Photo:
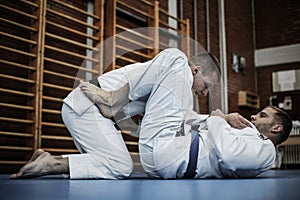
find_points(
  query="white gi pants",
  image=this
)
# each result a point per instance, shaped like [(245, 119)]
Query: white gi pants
[(165, 138), (103, 150)]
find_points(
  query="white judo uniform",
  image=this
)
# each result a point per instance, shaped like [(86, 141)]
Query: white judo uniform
[(226, 152), (165, 138), (103, 151)]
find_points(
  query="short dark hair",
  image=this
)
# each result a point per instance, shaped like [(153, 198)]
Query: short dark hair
[(208, 62), (281, 117)]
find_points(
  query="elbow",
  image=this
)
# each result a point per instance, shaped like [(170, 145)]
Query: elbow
[(236, 158), (228, 161), (232, 156)]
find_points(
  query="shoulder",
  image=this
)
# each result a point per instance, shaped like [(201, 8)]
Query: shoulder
[(174, 52)]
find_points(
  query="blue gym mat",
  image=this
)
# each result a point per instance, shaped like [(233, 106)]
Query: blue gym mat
[(271, 185)]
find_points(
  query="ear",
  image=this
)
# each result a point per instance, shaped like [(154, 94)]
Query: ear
[(276, 128), (195, 69)]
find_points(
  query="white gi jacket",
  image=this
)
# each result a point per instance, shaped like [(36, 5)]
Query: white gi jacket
[(226, 152), (104, 154)]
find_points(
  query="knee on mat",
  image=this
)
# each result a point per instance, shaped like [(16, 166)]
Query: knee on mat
[(128, 167), (123, 169)]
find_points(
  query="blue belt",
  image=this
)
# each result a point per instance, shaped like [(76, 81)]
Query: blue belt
[(192, 165)]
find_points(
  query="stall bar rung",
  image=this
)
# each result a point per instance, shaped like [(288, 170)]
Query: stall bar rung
[(17, 78), (135, 9), (18, 38), (17, 65), (70, 65), (16, 106), (126, 59), (18, 25), (76, 9), (131, 143), (61, 75), (72, 42), (57, 87), (56, 150), (134, 153), (135, 42), (53, 137), (72, 31), (19, 12), (51, 111), (133, 32), (163, 45), (12, 162), (53, 124), (134, 52), (52, 99), (167, 26), (25, 121), (15, 148), (30, 3), (72, 19), (164, 12), (137, 164), (18, 51), (118, 66), (71, 53), (16, 134), (146, 2), (17, 92)]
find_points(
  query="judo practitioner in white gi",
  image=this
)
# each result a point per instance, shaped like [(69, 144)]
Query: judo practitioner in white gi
[(165, 137)]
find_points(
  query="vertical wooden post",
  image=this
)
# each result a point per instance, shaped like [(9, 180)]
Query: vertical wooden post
[(99, 11), (185, 37), (40, 73), (154, 28), (110, 30), (156, 25)]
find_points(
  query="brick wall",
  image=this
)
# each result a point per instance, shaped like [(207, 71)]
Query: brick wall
[(215, 97), (273, 20), (277, 22), (188, 12), (239, 36)]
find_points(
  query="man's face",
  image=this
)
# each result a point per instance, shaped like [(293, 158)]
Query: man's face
[(202, 84), (264, 121)]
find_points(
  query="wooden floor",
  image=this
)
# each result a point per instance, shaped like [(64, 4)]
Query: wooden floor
[(272, 185)]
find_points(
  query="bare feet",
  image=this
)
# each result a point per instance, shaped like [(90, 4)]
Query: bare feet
[(109, 102), (40, 164)]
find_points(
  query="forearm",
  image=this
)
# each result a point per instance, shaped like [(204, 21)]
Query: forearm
[(237, 121)]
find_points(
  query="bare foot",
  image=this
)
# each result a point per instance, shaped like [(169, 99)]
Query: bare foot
[(109, 102), (96, 94), (34, 156), (39, 165)]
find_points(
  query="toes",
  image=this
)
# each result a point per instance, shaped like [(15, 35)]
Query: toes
[(16, 176), (36, 154), (13, 176)]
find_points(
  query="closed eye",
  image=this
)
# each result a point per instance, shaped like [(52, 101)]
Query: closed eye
[(262, 114)]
